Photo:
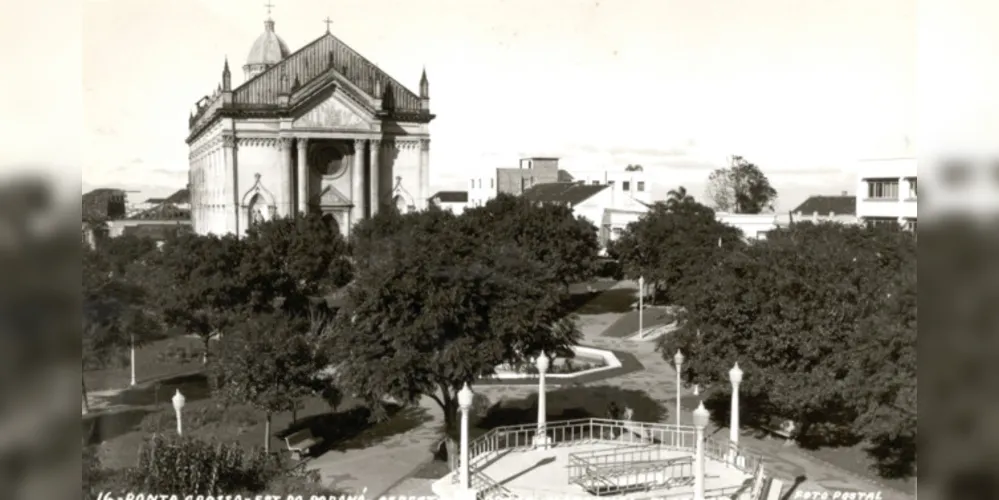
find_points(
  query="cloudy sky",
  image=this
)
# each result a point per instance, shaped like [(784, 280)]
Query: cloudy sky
[(800, 87)]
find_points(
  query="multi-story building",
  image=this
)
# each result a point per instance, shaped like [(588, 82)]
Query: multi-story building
[(608, 211), (886, 191), (622, 183)]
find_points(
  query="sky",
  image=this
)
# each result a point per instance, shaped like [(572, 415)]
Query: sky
[(802, 88)]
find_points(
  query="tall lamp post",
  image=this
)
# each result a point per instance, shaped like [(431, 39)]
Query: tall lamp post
[(678, 361), (541, 437), (734, 376), (701, 416), (131, 339), (464, 404), (641, 304), (178, 408)]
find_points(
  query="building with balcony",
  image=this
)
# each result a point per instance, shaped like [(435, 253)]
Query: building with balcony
[(887, 191)]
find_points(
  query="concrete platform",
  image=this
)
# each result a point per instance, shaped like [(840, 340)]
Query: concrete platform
[(528, 474)]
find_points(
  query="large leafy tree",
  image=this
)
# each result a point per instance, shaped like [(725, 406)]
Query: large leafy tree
[(270, 361), (309, 249), (673, 245), (550, 233), (822, 320), (211, 281), (115, 313), (741, 188), (433, 307)]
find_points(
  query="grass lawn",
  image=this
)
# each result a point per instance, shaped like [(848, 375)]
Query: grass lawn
[(155, 360), (627, 325), (119, 434)]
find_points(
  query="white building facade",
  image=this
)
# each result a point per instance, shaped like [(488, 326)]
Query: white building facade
[(887, 191)]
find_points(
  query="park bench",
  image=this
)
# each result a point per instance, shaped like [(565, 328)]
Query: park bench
[(300, 443)]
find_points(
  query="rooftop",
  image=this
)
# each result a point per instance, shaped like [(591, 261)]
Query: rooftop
[(825, 205), (562, 192), (451, 196)]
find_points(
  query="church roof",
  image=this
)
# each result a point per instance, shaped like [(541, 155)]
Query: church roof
[(269, 47), (307, 72)]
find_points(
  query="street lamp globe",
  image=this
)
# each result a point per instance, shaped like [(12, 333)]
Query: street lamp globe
[(701, 416), (542, 362), (735, 374), (178, 400), (465, 397), (678, 358)]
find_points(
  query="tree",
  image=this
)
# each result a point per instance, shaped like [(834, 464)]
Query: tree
[(673, 245), (125, 250), (309, 249), (433, 309), (270, 361), (633, 168), (115, 315), (211, 281), (822, 320), (741, 188), (677, 197), (552, 234)]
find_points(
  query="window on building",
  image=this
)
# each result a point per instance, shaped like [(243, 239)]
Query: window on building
[(491, 180), (625, 186), (882, 189), (473, 184), (480, 182), (912, 188), (532, 180), (910, 224), (641, 186)]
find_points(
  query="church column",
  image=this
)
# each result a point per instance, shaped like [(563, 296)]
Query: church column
[(375, 180), (424, 174), (357, 183), (230, 191), (287, 173), (303, 176)]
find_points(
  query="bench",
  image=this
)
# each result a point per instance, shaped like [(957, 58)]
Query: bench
[(785, 429), (301, 443)]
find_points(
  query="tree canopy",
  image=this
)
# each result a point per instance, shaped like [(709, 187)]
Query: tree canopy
[(309, 249), (551, 233), (741, 188), (673, 245), (434, 306), (822, 319)]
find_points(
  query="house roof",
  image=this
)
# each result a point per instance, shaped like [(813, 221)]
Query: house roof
[(315, 67), (163, 211), (824, 205), (182, 196), (451, 196), (562, 192)]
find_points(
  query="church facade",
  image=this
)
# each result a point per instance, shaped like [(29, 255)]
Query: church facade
[(318, 130)]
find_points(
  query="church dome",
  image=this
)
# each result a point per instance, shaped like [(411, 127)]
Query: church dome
[(269, 49)]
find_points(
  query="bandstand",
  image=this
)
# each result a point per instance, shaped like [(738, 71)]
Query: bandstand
[(602, 458)]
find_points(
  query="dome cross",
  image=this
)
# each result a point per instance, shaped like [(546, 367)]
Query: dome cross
[(328, 22)]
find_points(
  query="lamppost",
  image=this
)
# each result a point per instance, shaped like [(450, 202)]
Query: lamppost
[(641, 304), (464, 404), (734, 376), (131, 339), (541, 437), (701, 417), (678, 361), (178, 408)]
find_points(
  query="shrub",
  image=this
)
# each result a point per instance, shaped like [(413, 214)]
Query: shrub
[(179, 354), (183, 465)]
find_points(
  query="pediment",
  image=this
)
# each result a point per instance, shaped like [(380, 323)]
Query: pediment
[(332, 197), (333, 113)]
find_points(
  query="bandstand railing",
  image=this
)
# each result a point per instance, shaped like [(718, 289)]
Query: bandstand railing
[(629, 435)]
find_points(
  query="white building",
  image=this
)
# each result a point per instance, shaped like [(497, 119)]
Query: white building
[(886, 191), (631, 183), (318, 130), (752, 226), (608, 209), (452, 201)]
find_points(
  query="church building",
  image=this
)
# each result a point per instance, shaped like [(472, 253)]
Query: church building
[(321, 129)]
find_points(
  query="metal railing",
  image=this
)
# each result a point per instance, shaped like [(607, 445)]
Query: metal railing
[(625, 433)]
